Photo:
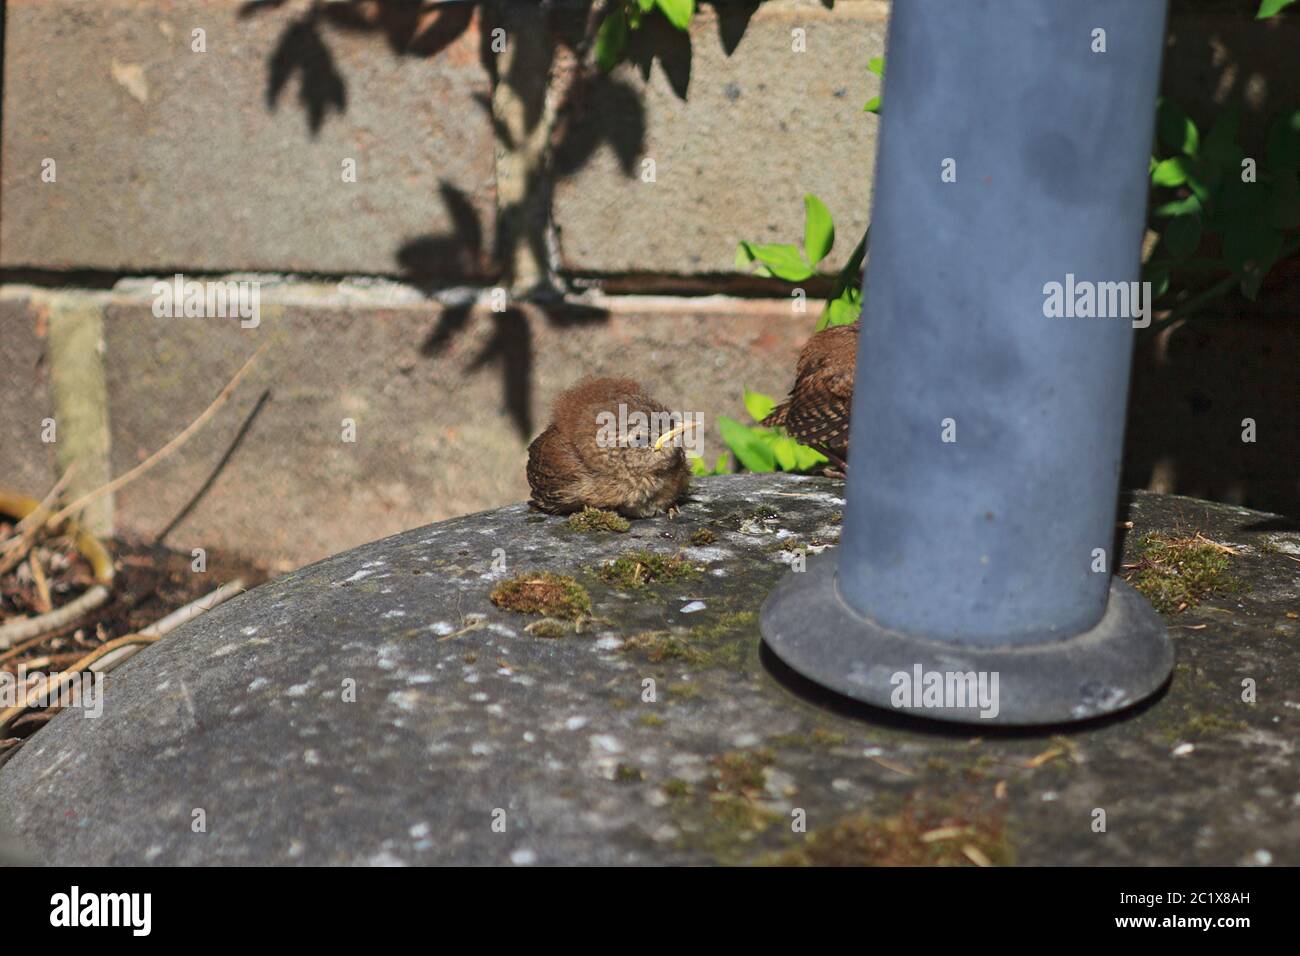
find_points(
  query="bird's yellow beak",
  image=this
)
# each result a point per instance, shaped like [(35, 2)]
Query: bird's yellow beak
[(669, 435)]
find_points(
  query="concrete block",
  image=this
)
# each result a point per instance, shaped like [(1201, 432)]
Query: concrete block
[(170, 158), (444, 403), (26, 462), (740, 127)]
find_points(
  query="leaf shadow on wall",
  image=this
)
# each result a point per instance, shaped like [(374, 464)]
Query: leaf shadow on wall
[(510, 347)]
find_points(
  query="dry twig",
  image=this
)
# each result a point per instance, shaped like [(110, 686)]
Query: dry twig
[(166, 449), (38, 627), (112, 653)]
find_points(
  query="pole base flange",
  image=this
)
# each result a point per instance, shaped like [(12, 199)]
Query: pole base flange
[(1125, 658)]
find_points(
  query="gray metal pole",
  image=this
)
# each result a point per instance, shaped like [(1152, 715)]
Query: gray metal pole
[(987, 425)]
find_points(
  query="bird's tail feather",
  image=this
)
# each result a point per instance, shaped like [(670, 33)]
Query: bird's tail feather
[(778, 415)]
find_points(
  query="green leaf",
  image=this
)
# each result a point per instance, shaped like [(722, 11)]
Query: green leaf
[(842, 311), (1183, 235), (1271, 8), (1179, 207), (784, 261), (1251, 249), (1175, 130), (1170, 172), (758, 405), (610, 39), (1199, 187), (789, 454), (818, 229), (1238, 200), (744, 258), (1283, 150), (678, 12), (1220, 146), (786, 451), (748, 448), (875, 65), (1284, 203), (645, 6), (806, 458), (1158, 276), (700, 469)]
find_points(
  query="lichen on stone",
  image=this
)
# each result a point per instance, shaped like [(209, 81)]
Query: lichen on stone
[(593, 519), (1178, 573), (703, 537), (554, 595)]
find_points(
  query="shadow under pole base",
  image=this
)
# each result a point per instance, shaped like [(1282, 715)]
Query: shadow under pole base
[(1125, 658)]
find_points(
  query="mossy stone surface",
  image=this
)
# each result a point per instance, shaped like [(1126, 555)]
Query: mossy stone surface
[(658, 731)]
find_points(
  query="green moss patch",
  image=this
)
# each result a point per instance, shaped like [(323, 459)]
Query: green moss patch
[(722, 813), (626, 773), (1203, 726), (741, 771), (1177, 573), (716, 644), (921, 834), (549, 627), (703, 537), (554, 595), (676, 788), (641, 568), (818, 737), (660, 646), (593, 519), (734, 788)]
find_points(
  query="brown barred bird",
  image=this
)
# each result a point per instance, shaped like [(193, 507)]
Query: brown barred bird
[(817, 412), (600, 455)]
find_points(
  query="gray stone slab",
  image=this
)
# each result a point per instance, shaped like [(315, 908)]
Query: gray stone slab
[(241, 714), (168, 158)]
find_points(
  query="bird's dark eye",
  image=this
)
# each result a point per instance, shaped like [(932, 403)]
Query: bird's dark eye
[(638, 439)]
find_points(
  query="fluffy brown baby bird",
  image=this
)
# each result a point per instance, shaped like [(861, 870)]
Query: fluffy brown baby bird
[(596, 454), (818, 409)]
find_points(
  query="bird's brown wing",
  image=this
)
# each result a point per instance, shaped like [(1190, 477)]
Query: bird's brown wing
[(819, 408), (778, 415), (552, 468), (817, 411)]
